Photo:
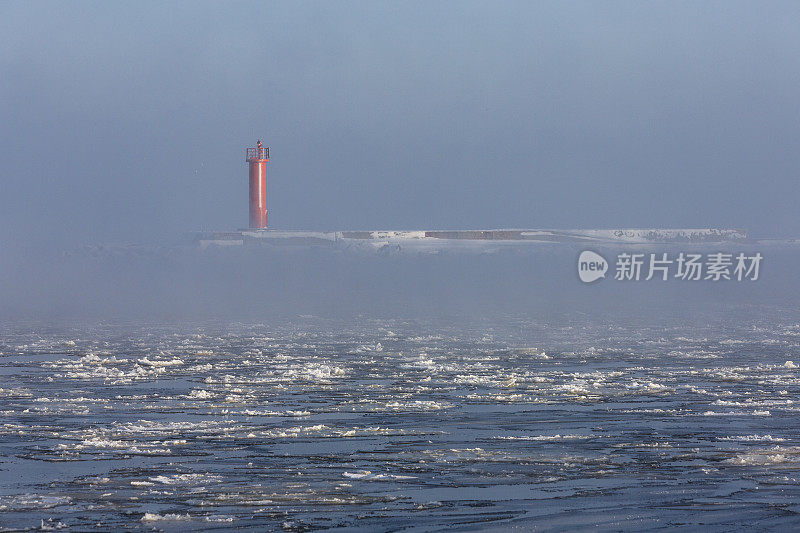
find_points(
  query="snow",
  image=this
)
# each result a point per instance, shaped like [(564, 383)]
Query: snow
[(483, 240)]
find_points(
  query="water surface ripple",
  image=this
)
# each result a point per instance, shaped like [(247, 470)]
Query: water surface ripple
[(400, 425)]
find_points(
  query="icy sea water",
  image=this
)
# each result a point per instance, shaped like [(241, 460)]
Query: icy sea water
[(379, 425)]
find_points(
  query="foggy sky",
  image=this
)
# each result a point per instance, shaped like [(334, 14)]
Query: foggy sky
[(127, 122)]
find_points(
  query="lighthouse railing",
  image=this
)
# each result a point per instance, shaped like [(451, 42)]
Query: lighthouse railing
[(257, 153)]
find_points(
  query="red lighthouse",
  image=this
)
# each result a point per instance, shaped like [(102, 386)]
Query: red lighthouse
[(258, 158)]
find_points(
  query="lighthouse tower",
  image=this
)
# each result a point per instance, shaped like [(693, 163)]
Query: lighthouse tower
[(258, 158)]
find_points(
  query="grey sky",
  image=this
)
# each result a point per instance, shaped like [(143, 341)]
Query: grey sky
[(128, 121)]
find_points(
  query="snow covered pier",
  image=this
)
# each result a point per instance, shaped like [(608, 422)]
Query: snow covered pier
[(442, 239)]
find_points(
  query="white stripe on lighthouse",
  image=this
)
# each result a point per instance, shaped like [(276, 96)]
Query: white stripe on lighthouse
[(259, 185)]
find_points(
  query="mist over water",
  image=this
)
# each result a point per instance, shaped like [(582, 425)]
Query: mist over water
[(254, 283), (413, 116), (148, 383)]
